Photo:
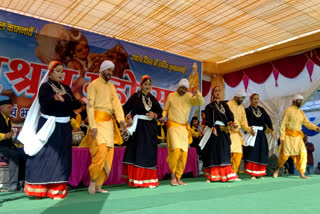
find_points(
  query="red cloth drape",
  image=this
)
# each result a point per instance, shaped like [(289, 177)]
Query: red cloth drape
[(289, 67)]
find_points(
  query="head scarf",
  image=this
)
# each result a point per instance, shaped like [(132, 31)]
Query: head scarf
[(214, 87), (252, 95), (105, 65), (297, 97), (240, 93), (52, 65), (144, 78), (183, 82)]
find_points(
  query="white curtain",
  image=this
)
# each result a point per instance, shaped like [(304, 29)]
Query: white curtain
[(275, 99)]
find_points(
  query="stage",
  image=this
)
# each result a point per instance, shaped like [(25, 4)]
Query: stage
[(282, 195)]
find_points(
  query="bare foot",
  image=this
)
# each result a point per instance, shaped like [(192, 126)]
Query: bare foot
[(260, 177), (100, 190), (208, 181), (92, 188), (303, 176), (174, 180), (275, 173), (180, 182), (57, 198), (253, 177)]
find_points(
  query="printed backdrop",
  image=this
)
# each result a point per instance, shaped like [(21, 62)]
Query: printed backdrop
[(28, 45)]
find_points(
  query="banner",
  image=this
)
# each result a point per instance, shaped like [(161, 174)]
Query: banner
[(29, 44)]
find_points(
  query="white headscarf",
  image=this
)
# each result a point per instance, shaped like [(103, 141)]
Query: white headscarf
[(240, 93), (183, 82), (105, 65), (297, 97)]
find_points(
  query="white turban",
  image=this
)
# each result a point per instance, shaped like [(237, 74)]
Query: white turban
[(240, 93), (183, 82), (106, 64), (297, 97)]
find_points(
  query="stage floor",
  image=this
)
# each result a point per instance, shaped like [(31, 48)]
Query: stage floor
[(282, 195)]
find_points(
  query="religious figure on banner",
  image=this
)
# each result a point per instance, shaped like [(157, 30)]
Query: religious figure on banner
[(55, 42)]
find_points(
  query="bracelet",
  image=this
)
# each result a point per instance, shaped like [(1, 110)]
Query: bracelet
[(55, 97)]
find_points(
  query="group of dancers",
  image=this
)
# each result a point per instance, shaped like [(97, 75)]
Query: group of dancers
[(48, 166)]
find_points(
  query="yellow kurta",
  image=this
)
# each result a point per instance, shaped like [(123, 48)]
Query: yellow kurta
[(7, 119), (293, 119), (103, 97), (194, 132), (105, 103), (240, 119), (177, 109)]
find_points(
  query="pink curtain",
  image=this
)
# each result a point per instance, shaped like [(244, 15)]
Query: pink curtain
[(81, 160)]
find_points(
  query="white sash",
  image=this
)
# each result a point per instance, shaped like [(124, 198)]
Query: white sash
[(248, 139), (33, 141), (207, 133), (132, 128)]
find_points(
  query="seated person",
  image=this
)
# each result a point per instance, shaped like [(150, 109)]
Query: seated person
[(8, 151), (317, 169), (196, 135), (82, 119), (162, 132)]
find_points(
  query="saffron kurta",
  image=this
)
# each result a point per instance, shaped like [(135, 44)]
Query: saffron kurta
[(240, 119), (178, 108), (290, 131), (103, 97), (105, 105)]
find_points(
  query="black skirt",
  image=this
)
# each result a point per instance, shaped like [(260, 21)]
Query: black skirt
[(141, 149), (259, 153), (52, 164), (217, 150)]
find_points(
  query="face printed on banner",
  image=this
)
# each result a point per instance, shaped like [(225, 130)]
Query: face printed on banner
[(239, 100), (216, 93), (57, 73), (255, 100), (107, 74), (146, 87), (182, 90), (81, 50)]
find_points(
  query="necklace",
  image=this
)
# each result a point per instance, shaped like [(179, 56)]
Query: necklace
[(257, 112), (147, 103), (220, 108), (57, 90)]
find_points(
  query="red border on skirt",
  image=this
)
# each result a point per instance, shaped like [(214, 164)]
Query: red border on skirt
[(255, 169), (46, 190), (220, 173), (139, 177)]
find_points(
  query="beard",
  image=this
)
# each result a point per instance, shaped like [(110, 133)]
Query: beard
[(239, 102), (181, 93), (298, 105), (106, 77)]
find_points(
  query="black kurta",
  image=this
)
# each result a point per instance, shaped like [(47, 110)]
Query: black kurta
[(141, 149), (52, 164), (217, 150), (259, 153)]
